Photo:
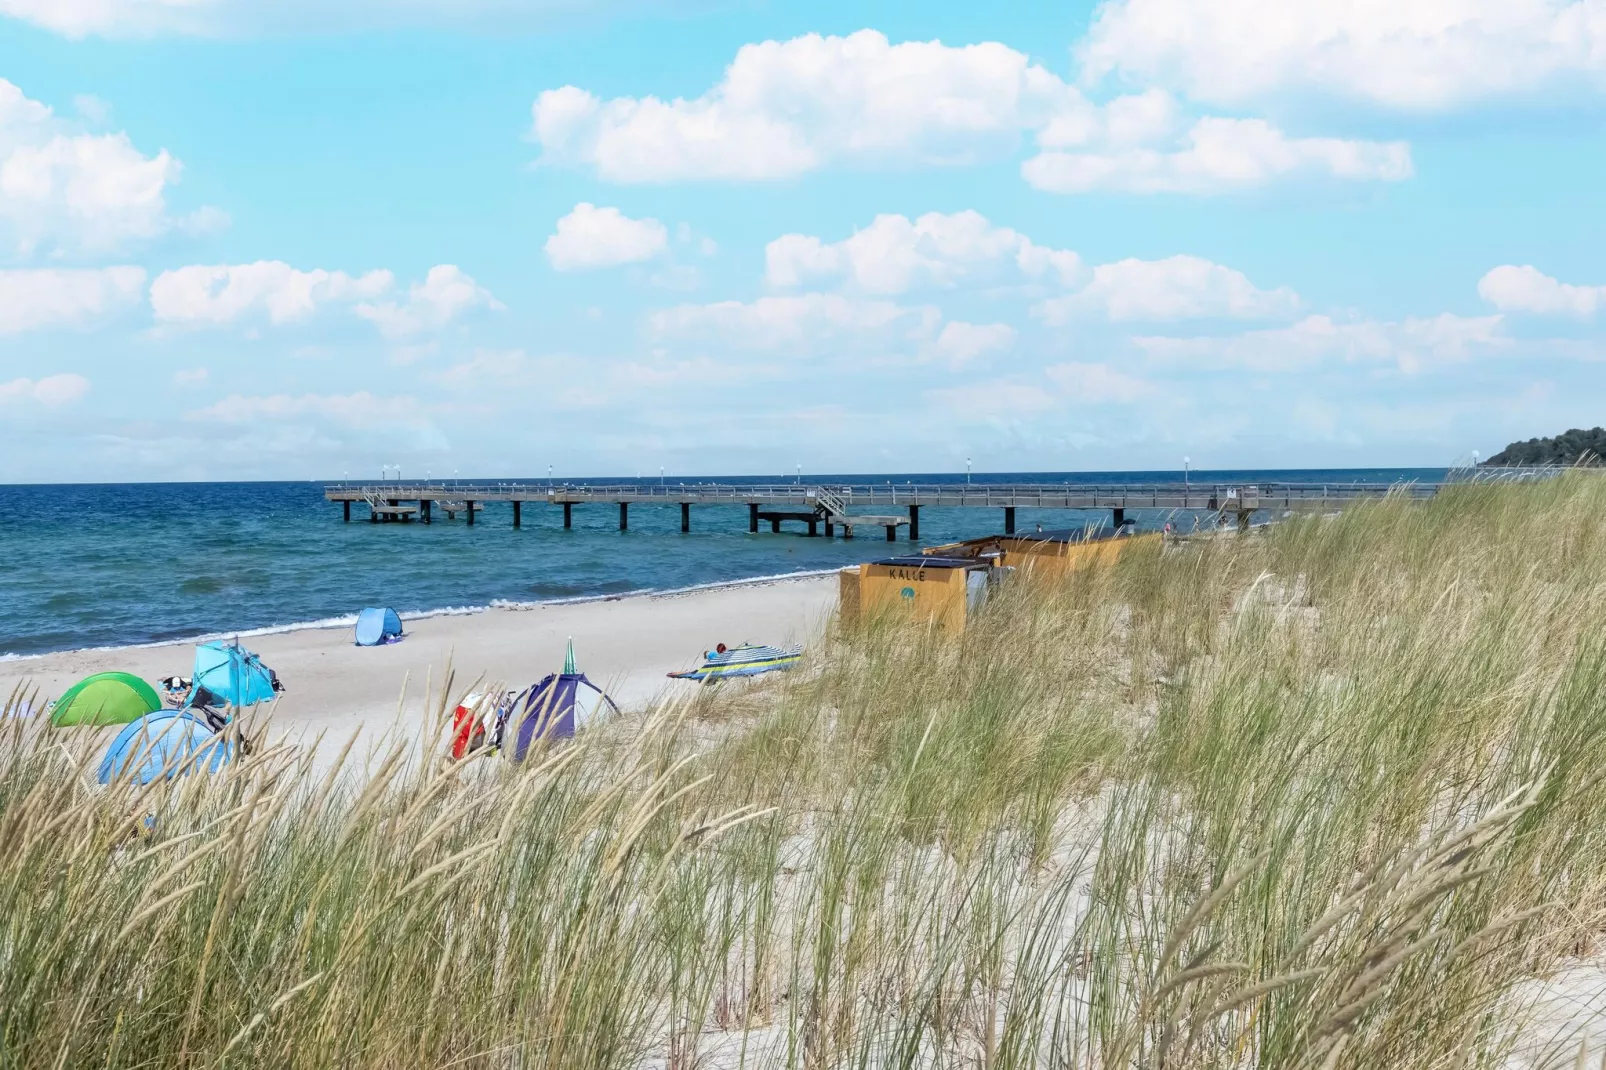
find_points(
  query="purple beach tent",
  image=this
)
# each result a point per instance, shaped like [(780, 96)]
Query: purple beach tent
[(556, 707)]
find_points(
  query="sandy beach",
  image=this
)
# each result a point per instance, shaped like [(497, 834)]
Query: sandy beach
[(626, 645)]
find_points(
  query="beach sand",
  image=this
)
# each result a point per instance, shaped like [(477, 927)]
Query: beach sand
[(625, 645)]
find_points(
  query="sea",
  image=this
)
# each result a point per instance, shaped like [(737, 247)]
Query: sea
[(103, 565)]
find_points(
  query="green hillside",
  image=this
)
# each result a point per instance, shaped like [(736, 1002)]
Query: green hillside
[(1566, 448)]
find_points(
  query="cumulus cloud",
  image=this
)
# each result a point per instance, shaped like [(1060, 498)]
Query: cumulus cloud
[(1177, 287), (1412, 344), (793, 321), (961, 343), (592, 237), (1527, 289), (53, 391), (1217, 155), (446, 293), (77, 191), (44, 297), (224, 293), (895, 255), (1424, 54), (787, 107)]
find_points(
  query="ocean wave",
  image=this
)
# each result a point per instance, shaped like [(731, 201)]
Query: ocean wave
[(349, 620)]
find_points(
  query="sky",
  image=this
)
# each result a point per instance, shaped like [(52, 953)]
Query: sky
[(278, 239)]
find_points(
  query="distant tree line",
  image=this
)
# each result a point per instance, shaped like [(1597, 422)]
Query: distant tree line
[(1569, 447)]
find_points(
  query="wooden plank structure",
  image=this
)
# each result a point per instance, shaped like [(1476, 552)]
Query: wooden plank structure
[(848, 506)]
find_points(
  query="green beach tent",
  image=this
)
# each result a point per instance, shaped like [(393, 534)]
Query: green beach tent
[(105, 698)]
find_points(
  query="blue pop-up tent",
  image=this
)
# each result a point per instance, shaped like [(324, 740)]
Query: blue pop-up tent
[(228, 674), (165, 743), (554, 708), (376, 626)]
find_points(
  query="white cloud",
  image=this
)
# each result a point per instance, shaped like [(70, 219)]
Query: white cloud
[(961, 343), (446, 293), (1412, 344), (223, 293), (1527, 289), (485, 366), (1217, 155), (66, 190), (787, 107), (360, 411), (53, 391), (592, 237), (1419, 54), (50, 297), (1097, 384), (783, 322), (894, 255), (190, 376), (1177, 287)]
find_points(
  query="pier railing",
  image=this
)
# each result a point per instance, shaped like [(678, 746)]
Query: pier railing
[(1177, 495)]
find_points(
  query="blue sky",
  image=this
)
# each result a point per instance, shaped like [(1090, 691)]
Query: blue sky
[(242, 239)]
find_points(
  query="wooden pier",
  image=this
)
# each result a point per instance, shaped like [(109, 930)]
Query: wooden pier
[(862, 505)]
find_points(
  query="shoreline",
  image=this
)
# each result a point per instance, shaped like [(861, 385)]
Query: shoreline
[(627, 645), (349, 620)]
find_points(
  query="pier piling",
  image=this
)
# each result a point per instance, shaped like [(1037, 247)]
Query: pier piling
[(892, 533), (423, 508), (752, 518), (624, 516), (914, 523), (469, 509), (568, 515), (1009, 520), (516, 504), (685, 517), (347, 504)]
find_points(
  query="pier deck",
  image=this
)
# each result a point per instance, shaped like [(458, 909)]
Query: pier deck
[(847, 505)]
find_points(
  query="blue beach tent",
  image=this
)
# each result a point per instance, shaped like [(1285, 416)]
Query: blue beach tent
[(554, 708), (227, 674), (168, 742), (376, 626)]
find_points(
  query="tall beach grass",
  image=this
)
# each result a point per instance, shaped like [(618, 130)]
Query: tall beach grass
[(1327, 794)]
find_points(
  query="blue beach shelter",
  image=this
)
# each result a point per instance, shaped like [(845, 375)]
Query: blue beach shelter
[(554, 708), (232, 676), (166, 743), (376, 626)]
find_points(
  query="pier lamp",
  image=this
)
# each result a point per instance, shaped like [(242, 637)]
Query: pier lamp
[(1184, 472), (800, 474), (549, 475), (660, 475), (967, 471)]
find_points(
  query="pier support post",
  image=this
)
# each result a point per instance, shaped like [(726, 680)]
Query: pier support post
[(373, 513), (1119, 515), (685, 517), (829, 528), (624, 516), (469, 509), (1009, 520), (914, 523), (389, 517), (813, 527), (347, 510), (568, 515), (1243, 519), (516, 504), (752, 518), (847, 532), (775, 526), (423, 508), (892, 533)]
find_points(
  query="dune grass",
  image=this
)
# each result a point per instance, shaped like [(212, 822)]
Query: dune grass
[(1323, 795)]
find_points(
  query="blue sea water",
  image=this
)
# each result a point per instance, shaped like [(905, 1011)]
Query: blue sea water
[(89, 565)]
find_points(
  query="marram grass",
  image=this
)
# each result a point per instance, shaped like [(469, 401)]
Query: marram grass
[(1324, 795)]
